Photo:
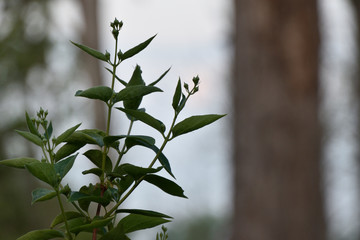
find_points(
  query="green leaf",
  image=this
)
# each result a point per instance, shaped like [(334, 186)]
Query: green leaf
[(60, 218), (31, 137), (18, 162), (109, 140), (42, 194), (64, 166), (96, 171), (91, 51), (31, 125), (135, 50), (135, 222), (132, 141), (177, 96), (138, 172), (166, 185), (97, 223), (102, 93), (193, 123), (44, 172), (117, 233), (159, 79), (143, 212), (48, 131), (133, 92), (66, 134), (96, 156), (44, 234), (145, 118), (67, 149)]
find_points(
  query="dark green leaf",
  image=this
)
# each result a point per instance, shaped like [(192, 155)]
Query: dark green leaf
[(130, 142), (66, 134), (48, 131), (143, 212), (67, 149), (135, 222), (64, 166), (102, 93), (145, 118), (31, 125), (193, 123), (166, 185), (96, 171), (177, 96), (133, 140), (96, 156), (42, 194), (134, 92), (60, 218), (91, 51), (31, 137), (44, 172), (109, 140), (97, 223), (138, 172), (18, 162), (79, 196), (135, 50), (117, 233), (44, 234), (159, 79)]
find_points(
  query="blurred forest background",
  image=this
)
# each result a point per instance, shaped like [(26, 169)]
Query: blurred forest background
[(284, 165)]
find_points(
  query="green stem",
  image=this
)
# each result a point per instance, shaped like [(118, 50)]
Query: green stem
[(123, 148), (64, 216)]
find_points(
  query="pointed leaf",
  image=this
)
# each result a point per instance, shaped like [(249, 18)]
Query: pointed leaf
[(193, 123), (109, 140), (18, 162), (48, 131), (64, 166), (66, 134), (138, 172), (44, 172), (132, 141), (145, 118), (143, 212), (60, 218), (97, 223), (31, 137), (67, 149), (44, 234), (96, 171), (31, 125), (135, 222), (42, 194), (102, 93), (177, 96), (91, 51), (159, 79), (135, 50), (133, 92), (166, 185), (117, 233)]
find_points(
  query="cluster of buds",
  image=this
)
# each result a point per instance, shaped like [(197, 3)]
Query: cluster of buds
[(116, 26), (195, 88), (41, 118)]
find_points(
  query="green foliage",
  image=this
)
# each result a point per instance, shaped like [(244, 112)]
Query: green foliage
[(116, 180)]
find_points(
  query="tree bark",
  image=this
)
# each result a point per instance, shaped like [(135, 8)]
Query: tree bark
[(90, 37), (277, 178)]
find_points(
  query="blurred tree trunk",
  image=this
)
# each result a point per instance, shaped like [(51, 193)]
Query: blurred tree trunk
[(90, 37), (277, 179)]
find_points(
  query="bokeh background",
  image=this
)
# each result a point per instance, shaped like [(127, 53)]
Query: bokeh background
[(39, 67)]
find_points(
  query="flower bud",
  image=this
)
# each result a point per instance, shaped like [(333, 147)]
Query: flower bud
[(107, 55), (196, 80)]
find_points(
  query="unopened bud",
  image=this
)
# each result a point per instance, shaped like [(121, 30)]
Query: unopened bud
[(196, 80)]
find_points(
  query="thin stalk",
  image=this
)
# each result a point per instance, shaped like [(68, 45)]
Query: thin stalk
[(64, 216), (123, 148)]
